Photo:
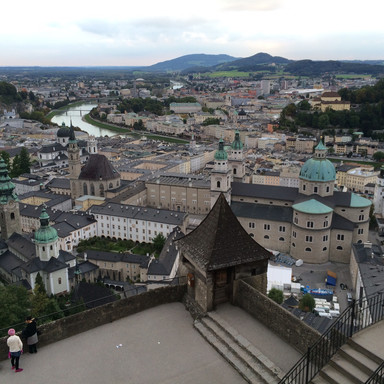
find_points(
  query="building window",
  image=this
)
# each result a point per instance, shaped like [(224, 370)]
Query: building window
[(59, 280), (303, 187), (281, 228), (267, 227), (251, 225), (296, 220), (293, 245), (309, 224), (315, 189), (294, 234), (281, 239), (327, 189), (218, 184), (308, 239), (361, 217), (252, 235), (325, 248), (360, 231), (340, 248), (308, 250), (325, 223), (325, 238), (266, 237), (340, 237)]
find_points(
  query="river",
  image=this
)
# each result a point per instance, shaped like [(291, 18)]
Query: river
[(75, 115)]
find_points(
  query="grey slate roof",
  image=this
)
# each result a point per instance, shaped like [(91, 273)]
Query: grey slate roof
[(84, 267), (50, 148), (22, 245), (53, 199), (262, 211), (164, 264), (115, 257), (140, 213), (339, 222), (98, 168), (9, 261), (264, 191), (371, 269), (220, 241)]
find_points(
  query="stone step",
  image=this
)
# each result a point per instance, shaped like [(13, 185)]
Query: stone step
[(319, 380), (246, 345), (333, 376), (358, 347), (349, 370), (358, 358), (234, 360), (241, 351)]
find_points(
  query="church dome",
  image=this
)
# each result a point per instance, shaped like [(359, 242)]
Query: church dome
[(63, 131), (221, 154), (318, 168), (45, 234)]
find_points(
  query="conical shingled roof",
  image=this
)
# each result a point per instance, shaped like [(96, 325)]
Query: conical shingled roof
[(220, 241), (98, 168)]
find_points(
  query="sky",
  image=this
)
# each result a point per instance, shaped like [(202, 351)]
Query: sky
[(140, 33)]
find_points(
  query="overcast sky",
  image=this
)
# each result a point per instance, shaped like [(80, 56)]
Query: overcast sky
[(134, 32)]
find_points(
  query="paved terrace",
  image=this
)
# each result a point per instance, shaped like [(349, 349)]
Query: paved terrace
[(159, 345)]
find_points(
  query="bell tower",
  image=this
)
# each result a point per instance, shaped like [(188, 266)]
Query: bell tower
[(74, 164), (220, 175), (9, 205), (236, 159)]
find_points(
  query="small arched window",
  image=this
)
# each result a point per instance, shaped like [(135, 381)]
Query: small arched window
[(339, 247), (218, 184), (325, 248), (266, 237), (308, 249), (281, 239)]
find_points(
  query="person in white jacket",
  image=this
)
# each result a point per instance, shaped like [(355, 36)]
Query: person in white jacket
[(15, 349)]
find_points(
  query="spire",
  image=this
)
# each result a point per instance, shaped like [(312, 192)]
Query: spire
[(72, 136), (6, 186)]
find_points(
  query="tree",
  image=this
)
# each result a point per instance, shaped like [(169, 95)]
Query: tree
[(25, 161), (323, 121), (158, 243), (276, 295), (14, 304), (6, 157), (378, 156), (307, 303)]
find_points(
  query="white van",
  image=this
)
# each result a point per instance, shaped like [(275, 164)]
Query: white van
[(334, 313), (325, 314)]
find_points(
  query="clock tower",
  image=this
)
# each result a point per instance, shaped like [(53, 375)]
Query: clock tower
[(9, 205)]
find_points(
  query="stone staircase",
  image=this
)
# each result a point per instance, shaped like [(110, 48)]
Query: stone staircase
[(237, 350), (352, 364)]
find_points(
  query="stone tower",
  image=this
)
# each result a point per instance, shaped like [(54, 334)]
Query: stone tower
[(9, 204), (46, 239), (220, 175), (74, 165), (236, 159), (378, 199)]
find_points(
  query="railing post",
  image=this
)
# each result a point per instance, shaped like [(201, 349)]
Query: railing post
[(352, 318), (307, 366)]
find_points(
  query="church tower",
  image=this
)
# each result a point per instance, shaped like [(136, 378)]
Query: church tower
[(220, 175), (236, 159), (46, 239), (74, 164), (378, 199), (9, 205), (92, 145)]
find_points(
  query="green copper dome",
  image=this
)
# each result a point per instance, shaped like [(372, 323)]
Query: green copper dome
[(45, 234), (221, 154), (6, 186), (318, 168), (237, 144)]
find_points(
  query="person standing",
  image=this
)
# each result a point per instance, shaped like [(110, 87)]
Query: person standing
[(30, 333), (15, 349)]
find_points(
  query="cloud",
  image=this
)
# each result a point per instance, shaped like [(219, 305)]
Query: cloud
[(251, 6)]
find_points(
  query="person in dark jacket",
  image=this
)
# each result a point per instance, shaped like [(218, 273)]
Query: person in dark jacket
[(30, 333)]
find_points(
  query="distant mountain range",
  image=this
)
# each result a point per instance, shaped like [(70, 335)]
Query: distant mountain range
[(264, 61)]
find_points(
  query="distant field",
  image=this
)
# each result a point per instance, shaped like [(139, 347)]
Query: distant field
[(227, 74), (346, 76)]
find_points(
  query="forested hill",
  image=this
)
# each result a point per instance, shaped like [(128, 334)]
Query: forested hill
[(188, 61)]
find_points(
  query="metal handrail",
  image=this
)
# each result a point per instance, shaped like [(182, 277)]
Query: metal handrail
[(377, 377), (359, 315)]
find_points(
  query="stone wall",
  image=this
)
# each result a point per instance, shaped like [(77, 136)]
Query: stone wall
[(279, 320), (92, 318)]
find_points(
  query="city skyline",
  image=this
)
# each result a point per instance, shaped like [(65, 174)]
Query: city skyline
[(125, 34)]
